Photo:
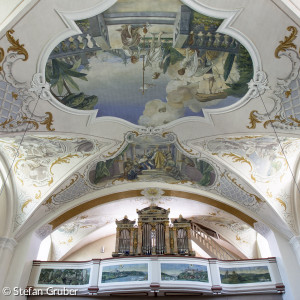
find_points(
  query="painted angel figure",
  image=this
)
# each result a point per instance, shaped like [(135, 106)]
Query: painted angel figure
[(157, 58), (131, 38)]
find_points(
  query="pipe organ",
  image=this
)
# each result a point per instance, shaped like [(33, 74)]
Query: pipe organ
[(153, 234)]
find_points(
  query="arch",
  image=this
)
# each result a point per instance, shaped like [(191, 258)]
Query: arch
[(137, 193)]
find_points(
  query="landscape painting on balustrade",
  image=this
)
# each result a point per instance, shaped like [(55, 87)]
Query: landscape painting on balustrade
[(183, 272), (245, 275), (64, 276), (150, 63), (124, 273), (148, 162)]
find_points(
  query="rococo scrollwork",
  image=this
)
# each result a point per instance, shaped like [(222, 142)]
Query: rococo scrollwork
[(16, 94), (282, 114)]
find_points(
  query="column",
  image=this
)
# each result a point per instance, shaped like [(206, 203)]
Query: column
[(21, 264), (7, 246), (140, 235), (167, 238)]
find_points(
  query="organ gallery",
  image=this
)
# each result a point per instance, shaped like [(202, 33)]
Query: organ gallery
[(153, 234)]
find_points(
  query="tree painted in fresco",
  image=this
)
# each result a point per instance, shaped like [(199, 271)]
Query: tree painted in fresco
[(60, 76)]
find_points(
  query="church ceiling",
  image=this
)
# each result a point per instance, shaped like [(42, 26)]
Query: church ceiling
[(186, 96)]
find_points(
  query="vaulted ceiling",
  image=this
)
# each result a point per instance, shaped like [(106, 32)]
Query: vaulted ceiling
[(102, 100)]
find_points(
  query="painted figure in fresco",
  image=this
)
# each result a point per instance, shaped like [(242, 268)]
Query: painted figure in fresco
[(157, 58), (189, 64), (159, 158), (145, 163), (130, 171), (131, 38)]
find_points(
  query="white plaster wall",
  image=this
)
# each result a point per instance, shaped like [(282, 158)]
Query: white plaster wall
[(92, 250)]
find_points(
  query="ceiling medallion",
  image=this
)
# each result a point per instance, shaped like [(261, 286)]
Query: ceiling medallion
[(149, 66)]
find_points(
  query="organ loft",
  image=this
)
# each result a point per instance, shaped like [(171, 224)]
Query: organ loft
[(153, 234)]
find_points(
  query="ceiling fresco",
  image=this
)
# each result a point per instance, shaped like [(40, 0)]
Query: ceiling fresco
[(149, 67), (150, 162)]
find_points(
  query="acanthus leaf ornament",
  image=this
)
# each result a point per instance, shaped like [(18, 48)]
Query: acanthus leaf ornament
[(287, 43), (236, 158), (277, 116), (15, 45)]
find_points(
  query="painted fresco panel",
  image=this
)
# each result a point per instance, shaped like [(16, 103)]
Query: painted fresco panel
[(153, 162), (149, 67), (64, 276), (245, 275), (124, 273), (183, 272)]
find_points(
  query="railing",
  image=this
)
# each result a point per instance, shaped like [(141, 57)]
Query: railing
[(155, 276), (209, 245)]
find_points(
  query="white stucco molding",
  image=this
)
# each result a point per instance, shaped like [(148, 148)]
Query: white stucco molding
[(7, 243), (295, 242)]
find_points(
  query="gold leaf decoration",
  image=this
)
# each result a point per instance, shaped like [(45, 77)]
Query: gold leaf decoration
[(236, 158), (282, 203), (63, 160), (247, 137), (50, 181), (25, 204), (291, 121), (253, 120), (6, 122), (14, 95), (295, 120), (15, 45), (253, 178), (190, 151), (287, 43), (1, 54), (288, 93), (165, 133), (269, 193), (38, 195), (26, 120), (48, 121), (1, 57), (110, 154), (49, 200), (234, 181)]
